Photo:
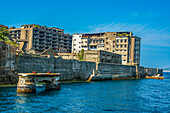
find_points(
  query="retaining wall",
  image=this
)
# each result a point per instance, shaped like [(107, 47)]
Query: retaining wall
[(8, 75), (69, 69)]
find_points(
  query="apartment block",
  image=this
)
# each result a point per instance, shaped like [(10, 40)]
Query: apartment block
[(41, 38), (135, 49), (76, 43), (122, 43)]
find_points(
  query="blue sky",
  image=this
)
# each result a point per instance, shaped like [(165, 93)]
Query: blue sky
[(148, 19)]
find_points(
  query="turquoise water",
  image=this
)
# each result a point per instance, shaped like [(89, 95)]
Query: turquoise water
[(145, 95)]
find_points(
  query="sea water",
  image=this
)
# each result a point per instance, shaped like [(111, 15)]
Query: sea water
[(143, 95)]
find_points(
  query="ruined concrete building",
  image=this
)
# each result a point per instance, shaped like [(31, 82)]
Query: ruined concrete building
[(41, 37), (123, 43)]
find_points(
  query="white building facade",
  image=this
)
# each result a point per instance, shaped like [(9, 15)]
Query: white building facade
[(76, 43)]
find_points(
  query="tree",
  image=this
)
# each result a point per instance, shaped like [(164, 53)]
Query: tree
[(80, 55), (3, 34), (37, 26), (4, 37)]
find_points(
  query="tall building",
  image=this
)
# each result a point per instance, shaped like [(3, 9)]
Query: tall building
[(76, 43), (40, 38), (118, 42), (135, 49)]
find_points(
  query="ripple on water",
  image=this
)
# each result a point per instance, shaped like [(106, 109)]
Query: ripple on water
[(145, 95)]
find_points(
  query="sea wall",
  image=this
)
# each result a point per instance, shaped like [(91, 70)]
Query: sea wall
[(69, 69), (153, 71), (8, 74), (107, 71)]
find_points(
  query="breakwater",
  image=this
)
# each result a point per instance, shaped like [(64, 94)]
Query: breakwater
[(69, 69)]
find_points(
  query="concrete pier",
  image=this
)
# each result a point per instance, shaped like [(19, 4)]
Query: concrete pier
[(27, 81)]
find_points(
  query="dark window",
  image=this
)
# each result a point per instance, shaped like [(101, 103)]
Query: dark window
[(117, 40), (106, 42), (125, 40), (107, 48), (106, 38), (113, 41)]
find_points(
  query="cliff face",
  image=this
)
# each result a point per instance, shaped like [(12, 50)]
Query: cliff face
[(8, 74)]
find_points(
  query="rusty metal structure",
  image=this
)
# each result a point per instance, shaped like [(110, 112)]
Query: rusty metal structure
[(27, 81)]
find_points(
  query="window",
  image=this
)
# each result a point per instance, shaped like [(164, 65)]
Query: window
[(113, 41), (120, 45), (106, 38), (113, 51), (79, 46), (106, 42), (124, 45), (74, 44), (79, 36), (74, 39), (121, 40), (117, 46), (125, 40), (113, 34), (107, 48), (117, 41), (113, 46)]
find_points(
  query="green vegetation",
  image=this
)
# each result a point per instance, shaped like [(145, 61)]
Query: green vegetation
[(37, 26), (122, 34), (80, 55), (8, 85), (4, 37)]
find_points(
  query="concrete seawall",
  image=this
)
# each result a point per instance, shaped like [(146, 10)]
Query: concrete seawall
[(12, 64), (8, 74), (69, 69)]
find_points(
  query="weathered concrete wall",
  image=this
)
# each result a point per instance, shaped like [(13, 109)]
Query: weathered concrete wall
[(8, 74), (106, 71), (142, 71), (153, 71), (102, 56), (114, 69), (69, 69)]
